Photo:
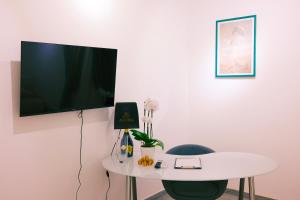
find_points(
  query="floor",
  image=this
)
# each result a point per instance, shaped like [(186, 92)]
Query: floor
[(228, 195)]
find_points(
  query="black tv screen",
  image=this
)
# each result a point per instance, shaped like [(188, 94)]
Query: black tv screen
[(58, 78)]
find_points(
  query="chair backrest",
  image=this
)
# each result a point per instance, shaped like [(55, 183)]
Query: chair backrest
[(190, 149)]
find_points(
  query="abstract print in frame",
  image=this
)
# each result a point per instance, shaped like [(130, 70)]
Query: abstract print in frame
[(236, 47)]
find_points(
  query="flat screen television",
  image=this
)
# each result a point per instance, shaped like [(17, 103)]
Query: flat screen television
[(59, 78)]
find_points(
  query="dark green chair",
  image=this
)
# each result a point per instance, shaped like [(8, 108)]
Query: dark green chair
[(194, 190)]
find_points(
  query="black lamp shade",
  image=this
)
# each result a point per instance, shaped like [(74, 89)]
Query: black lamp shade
[(126, 115)]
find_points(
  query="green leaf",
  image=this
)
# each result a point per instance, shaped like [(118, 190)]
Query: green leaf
[(161, 144), (141, 136)]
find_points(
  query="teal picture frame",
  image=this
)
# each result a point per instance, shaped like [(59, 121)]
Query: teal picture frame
[(235, 54)]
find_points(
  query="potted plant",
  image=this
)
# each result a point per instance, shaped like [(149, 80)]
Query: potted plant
[(148, 143)]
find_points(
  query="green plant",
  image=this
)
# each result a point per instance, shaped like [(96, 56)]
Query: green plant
[(147, 141)]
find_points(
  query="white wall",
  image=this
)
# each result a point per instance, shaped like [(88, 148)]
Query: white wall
[(261, 114), (166, 51), (40, 154)]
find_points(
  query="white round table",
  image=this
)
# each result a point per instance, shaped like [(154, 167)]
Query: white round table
[(215, 166)]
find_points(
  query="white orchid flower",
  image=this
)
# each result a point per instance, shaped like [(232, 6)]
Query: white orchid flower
[(147, 101), (151, 105), (154, 105), (147, 120)]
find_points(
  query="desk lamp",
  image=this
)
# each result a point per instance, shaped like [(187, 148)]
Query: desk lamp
[(126, 117)]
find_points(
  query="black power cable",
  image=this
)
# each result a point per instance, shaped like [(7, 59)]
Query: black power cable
[(106, 195), (80, 116), (107, 173)]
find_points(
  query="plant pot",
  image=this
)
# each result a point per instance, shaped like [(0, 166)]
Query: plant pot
[(148, 151)]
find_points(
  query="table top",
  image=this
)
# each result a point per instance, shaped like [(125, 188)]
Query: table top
[(215, 166)]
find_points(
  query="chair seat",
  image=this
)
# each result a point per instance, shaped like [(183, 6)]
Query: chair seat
[(200, 190)]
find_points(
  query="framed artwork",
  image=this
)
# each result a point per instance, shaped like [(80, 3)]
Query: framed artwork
[(236, 47)]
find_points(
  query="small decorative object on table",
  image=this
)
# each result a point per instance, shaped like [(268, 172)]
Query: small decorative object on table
[(148, 142)]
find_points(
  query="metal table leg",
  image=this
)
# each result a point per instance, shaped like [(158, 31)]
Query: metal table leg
[(251, 188), (131, 188), (241, 191)]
